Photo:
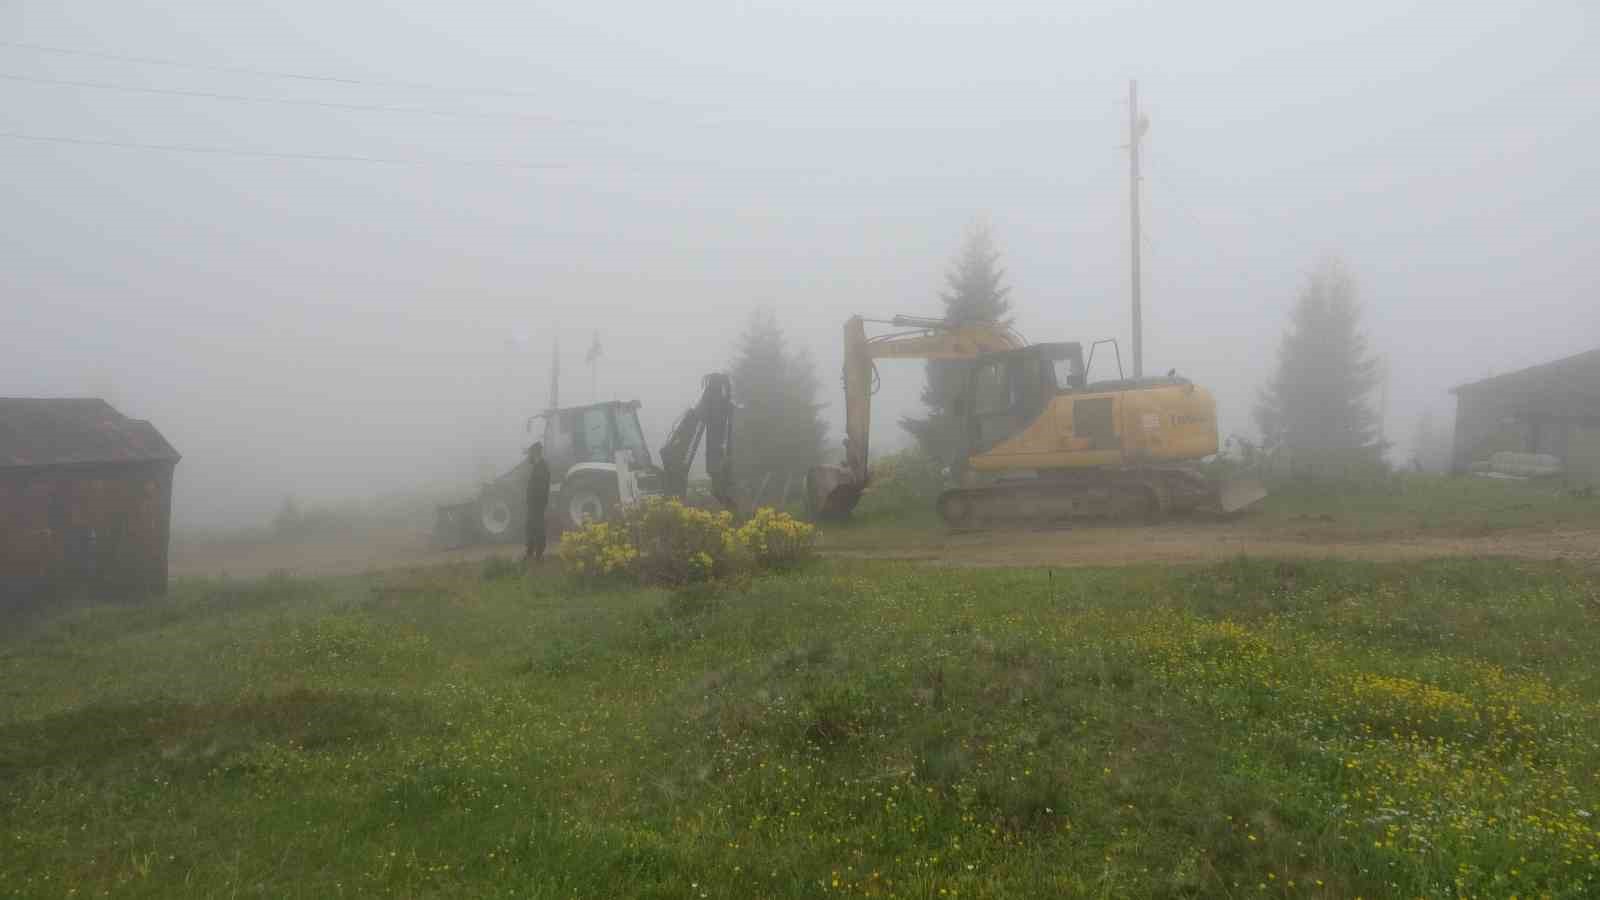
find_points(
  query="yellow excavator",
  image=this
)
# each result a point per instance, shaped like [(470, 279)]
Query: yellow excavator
[(1041, 441)]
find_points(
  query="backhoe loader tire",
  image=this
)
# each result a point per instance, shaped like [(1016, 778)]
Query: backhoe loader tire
[(586, 499), (496, 518)]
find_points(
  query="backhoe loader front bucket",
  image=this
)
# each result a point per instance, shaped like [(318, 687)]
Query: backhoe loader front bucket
[(831, 492), (1238, 494)]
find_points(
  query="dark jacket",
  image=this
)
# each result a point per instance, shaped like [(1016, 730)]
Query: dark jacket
[(538, 485)]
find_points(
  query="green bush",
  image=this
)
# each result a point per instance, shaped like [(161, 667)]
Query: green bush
[(903, 483), (1307, 472)]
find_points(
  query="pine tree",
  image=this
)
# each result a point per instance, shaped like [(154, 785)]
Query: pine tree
[(778, 429), (975, 291), (1317, 408)]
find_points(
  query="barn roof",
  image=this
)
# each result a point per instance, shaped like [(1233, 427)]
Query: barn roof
[(1575, 374), (74, 431)]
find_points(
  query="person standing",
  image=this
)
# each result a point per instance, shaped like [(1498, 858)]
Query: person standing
[(538, 498)]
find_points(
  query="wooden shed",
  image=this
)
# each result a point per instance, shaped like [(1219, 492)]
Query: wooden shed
[(1551, 409), (85, 502)]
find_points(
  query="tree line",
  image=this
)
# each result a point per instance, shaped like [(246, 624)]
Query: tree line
[(1315, 414)]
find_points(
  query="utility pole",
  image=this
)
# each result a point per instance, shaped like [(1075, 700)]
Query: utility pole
[(1137, 125), (555, 373)]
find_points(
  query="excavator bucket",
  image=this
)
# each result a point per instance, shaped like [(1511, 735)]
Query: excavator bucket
[(1237, 494), (831, 492)]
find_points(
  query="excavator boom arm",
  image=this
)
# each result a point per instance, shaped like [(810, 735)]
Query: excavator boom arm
[(832, 491)]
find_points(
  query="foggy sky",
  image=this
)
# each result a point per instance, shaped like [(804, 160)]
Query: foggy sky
[(340, 329)]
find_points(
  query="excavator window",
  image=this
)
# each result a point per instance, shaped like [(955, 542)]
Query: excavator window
[(1068, 377), (1065, 366), (1009, 392), (993, 393), (1026, 386)]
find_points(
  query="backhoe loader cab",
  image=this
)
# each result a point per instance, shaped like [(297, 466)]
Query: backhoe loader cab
[(598, 459), (594, 434)]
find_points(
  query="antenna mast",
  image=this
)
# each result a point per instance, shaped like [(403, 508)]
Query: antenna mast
[(555, 373)]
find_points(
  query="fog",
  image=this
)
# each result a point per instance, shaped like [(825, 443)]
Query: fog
[(335, 328)]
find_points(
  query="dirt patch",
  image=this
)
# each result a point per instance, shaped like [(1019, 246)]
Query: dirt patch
[(1176, 542), (1185, 543), (343, 555)]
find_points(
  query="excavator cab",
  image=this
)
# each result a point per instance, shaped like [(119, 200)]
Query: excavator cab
[(1065, 360), (1008, 390)]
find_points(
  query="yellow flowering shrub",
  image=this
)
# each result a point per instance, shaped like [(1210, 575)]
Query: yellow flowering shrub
[(774, 538), (598, 550), (662, 541), (659, 541), (678, 544)]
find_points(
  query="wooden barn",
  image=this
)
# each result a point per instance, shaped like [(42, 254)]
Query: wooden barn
[(85, 502), (1552, 409)]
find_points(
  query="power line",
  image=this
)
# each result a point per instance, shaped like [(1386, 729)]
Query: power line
[(1167, 178), (317, 157), (663, 165), (287, 101), (332, 79), (265, 73)]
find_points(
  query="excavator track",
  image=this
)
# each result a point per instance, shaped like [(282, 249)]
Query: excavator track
[(1132, 495)]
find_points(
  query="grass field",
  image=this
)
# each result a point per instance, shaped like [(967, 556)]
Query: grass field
[(1427, 504), (1402, 506), (1248, 729)]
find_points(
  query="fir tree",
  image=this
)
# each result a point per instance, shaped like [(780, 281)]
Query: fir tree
[(975, 291), (778, 429), (1317, 408)]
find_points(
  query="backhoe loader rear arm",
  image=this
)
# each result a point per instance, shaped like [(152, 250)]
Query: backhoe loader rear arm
[(711, 420)]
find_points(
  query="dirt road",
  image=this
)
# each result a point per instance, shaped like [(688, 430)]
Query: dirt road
[(345, 555), (1083, 546)]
